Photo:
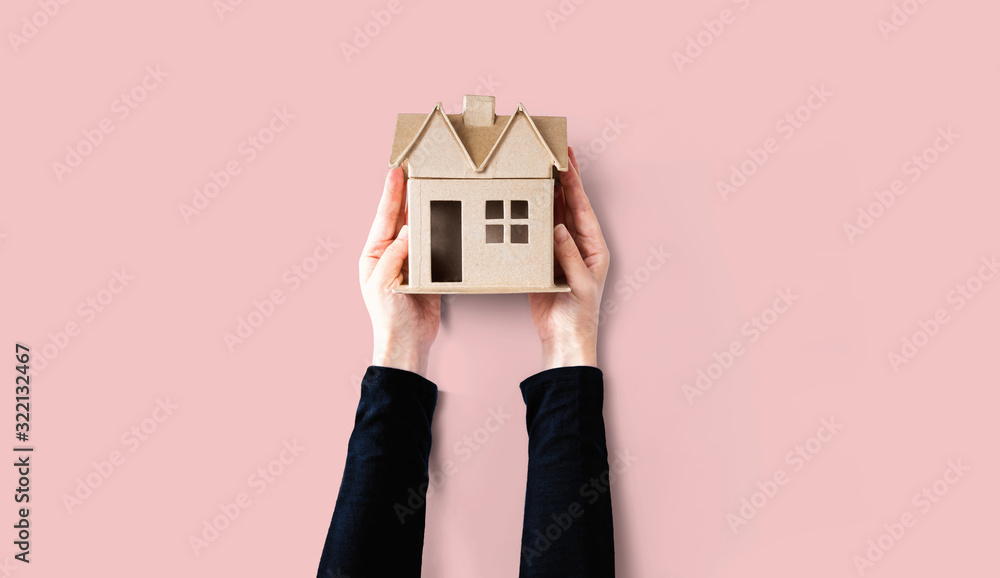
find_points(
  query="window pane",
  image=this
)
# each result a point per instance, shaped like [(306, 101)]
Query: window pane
[(519, 209), (446, 241), (494, 233), (518, 233), (494, 210)]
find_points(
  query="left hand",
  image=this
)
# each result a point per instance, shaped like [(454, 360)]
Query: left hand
[(404, 326)]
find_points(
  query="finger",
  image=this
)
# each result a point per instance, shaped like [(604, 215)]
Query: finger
[(404, 213), (577, 204), (385, 224), (384, 227), (568, 221), (389, 271), (558, 218), (577, 274), (558, 207), (567, 218), (579, 210)]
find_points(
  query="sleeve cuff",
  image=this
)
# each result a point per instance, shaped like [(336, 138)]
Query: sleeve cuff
[(583, 380), (400, 383), (574, 374)]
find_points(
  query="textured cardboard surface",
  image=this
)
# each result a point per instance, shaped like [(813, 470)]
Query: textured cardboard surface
[(477, 141), (459, 288), (472, 159), (508, 265)]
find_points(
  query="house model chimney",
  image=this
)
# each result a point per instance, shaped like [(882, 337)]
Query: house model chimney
[(478, 110)]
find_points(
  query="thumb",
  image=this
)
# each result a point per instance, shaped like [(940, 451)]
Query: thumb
[(390, 264), (569, 257)]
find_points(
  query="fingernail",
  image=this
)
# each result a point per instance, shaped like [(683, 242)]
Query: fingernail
[(561, 233), (404, 232)]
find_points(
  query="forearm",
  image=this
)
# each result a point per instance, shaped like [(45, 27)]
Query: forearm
[(401, 353), (567, 520), (386, 466), (565, 352)]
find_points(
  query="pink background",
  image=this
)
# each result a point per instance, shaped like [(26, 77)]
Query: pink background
[(653, 184)]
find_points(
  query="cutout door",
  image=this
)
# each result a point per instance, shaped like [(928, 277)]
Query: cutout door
[(446, 241)]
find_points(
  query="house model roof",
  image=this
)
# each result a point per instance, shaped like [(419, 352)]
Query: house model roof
[(481, 135)]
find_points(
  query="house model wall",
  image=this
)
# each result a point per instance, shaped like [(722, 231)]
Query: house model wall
[(480, 192)]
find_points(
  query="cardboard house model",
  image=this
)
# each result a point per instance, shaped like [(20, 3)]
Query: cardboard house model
[(480, 191)]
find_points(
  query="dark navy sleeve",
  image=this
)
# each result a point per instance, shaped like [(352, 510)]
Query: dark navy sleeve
[(377, 528), (568, 527)]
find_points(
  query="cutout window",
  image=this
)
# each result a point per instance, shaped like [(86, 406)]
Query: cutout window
[(494, 210), (446, 241), (519, 234), (494, 233)]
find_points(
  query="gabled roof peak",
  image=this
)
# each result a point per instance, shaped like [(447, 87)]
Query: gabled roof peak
[(479, 133)]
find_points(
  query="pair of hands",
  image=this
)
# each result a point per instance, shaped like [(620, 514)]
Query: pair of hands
[(405, 325)]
